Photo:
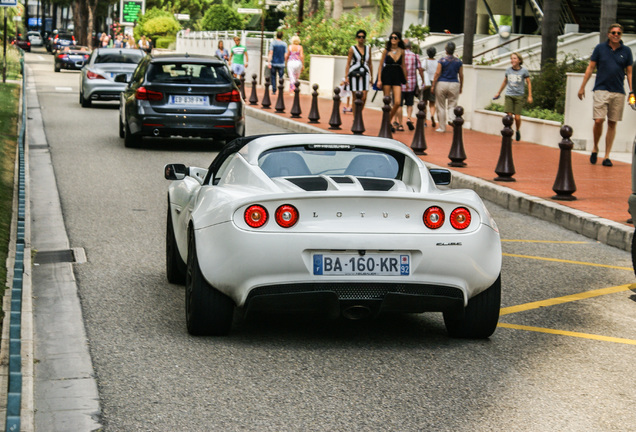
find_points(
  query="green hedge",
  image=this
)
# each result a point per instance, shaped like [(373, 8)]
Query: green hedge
[(539, 113)]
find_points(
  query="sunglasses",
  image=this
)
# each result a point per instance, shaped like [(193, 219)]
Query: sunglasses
[(616, 33), (361, 37), (394, 37)]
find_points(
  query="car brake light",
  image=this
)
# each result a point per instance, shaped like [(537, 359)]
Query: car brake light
[(62, 56), (433, 217), (460, 218), (233, 96), (93, 75), (286, 216), (255, 216), (143, 93)]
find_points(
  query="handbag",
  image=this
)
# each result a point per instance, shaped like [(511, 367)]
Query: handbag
[(357, 73)]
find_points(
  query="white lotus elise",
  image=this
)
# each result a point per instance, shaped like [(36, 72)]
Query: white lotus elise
[(341, 224)]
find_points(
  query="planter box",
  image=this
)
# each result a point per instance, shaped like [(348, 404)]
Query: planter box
[(544, 132)]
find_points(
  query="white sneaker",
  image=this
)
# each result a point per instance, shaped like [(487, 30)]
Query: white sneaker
[(440, 130)]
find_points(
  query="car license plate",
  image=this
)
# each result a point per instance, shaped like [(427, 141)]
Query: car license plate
[(188, 100), (369, 264)]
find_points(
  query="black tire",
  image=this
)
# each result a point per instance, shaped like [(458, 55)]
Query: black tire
[(175, 267), (122, 132), (208, 311), (86, 103), (634, 253), (480, 317), (130, 140), (56, 68)]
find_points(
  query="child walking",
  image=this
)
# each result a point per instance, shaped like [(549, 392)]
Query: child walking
[(514, 83)]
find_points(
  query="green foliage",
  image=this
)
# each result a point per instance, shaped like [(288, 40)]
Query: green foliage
[(221, 17), (417, 34), (384, 9), (539, 113), (165, 41), (548, 85), (156, 23)]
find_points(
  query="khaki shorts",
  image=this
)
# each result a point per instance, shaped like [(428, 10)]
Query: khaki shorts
[(513, 104), (608, 104)]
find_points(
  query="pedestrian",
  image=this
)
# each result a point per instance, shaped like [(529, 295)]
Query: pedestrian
[(359, 68), (514, 79), (345, 95), (430, 67), (119, 41), (392, 73), (613, 61), (143, 43), (276, 59), (413, 67), (447, 85), (221, 52), (238, 57), (295, 59)]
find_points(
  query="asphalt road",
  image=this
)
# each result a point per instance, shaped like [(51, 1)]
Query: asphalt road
[(564, 364)]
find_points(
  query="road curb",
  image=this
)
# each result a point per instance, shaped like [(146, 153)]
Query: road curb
[(592, 226)]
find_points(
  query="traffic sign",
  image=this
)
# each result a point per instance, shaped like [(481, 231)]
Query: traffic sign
[(130, 11), (8, 3), (249, 11)]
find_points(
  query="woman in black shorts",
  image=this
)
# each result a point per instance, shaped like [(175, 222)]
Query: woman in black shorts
[(392, 73)]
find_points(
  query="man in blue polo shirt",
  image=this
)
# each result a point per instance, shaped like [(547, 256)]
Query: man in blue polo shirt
[(614, 62)]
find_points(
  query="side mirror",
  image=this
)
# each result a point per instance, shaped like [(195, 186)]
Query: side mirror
[(440, 176), (175, 171), (121, 78)]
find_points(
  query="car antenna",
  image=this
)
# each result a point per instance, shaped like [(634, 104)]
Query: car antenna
[(187, 55)]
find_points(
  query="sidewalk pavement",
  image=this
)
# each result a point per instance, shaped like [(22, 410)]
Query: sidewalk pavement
[(600, 210)]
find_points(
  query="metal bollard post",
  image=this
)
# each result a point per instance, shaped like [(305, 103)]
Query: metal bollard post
[(295, 110), (253, 95), (335, 121), (457, 155), (358, 123), (266, 103), (242, 86), (385, 129), (564, 185), (418, 145), (280, 102), (314, 114), (505, 166)]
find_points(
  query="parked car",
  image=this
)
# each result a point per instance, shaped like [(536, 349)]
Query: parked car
[(62, 40), (631, 201), (180, 95), (97, 78), (35, 38), (70, 57), (339, 224), (22, 43)]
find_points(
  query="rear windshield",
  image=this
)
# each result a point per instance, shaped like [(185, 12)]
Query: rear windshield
[(190, 73), (120, 57)]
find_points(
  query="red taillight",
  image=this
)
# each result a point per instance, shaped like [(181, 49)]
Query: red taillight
[(286, 216), (256, 216), (143, 93), (233, 96), (62, 56), (433, 217), (93, 75), (460, 218)]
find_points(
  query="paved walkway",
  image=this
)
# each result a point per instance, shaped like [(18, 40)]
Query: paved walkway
[(601, 192)]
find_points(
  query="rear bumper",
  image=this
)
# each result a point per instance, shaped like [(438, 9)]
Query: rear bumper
[(196, 125), (104, 90)]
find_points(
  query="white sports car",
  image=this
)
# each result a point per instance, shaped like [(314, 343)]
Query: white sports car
[(346, 225)]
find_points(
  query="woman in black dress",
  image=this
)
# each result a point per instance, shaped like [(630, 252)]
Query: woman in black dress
[(392, 73)]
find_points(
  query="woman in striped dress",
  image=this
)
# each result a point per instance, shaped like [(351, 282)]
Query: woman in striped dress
[(359, 68)]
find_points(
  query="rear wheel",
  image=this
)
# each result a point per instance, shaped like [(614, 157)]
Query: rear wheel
[(175, 267), (480, 317), (56, 68), (86, 103), (634, 253), (130, 140), (122, 132), (208, 311)]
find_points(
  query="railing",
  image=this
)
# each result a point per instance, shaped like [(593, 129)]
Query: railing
[(498, 46)]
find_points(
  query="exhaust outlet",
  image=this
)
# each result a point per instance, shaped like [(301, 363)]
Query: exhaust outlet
[(155, 132), (356, 312)]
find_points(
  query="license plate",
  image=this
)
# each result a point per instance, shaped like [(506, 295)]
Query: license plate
[(188, 100), (354, 264), (77, 58)]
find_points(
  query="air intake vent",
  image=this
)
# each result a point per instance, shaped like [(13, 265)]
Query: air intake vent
[(310, 183)]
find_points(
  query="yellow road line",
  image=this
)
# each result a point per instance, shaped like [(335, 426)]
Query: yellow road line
[(544, 241), (565, 299), (567, 261), (569, 333)]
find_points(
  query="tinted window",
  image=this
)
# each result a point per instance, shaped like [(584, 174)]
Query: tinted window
[(190, 73), (120, 57)]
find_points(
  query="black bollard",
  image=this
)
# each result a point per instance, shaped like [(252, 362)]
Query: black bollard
[(564, 185), (242, 86), (295, 110), (253, 96), (335, 121), (358, 123), (280, 102), (505, 166), (385, 128), (314, 114), (457, 155), (266, 103), (418, 145)]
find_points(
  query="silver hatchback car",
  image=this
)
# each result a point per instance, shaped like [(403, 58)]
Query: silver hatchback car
[(97, 78)]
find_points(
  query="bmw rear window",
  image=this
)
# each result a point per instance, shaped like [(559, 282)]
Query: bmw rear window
[(120, 57), (190, 73)]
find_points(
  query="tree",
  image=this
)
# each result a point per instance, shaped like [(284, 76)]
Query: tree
[(608, 17), (550, 31), (221, 17), (398, 15), (337, 9), (470, 26)]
